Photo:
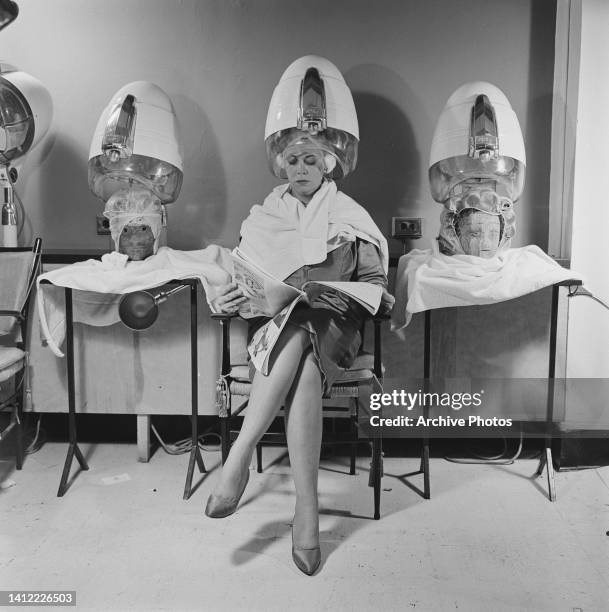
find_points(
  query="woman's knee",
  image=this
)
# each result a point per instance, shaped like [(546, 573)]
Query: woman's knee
[(293, 335), (293, 343)]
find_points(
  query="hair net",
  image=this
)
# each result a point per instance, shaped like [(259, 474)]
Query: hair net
[(483, 199), (305, 143), (134, 206)]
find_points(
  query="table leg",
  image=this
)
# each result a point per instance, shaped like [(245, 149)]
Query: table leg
[(195, 452), (143, 438), (73, 444)]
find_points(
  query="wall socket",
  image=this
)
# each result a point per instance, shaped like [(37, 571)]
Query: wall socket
[(103, 225), (406, 227)]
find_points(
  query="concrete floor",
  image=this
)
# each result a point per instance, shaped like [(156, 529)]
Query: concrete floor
[(124, 539)]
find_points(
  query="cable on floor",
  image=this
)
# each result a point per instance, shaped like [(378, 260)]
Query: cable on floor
[(184, 446), (38, 440), (495, 460)]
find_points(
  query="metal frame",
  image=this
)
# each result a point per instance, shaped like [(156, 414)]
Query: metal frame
[(20, 377), (425, 493), (74, 450), (546, 457)]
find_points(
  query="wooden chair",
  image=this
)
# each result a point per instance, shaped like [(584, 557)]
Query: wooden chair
[(18, 270), (353, 387)]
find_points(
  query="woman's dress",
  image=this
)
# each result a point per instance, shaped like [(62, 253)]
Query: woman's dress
[(332, 319)]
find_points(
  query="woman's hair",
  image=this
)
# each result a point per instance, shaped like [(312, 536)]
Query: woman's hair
[(468, 212)]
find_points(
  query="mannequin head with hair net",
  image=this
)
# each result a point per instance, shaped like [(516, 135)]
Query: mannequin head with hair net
[(135, 216)]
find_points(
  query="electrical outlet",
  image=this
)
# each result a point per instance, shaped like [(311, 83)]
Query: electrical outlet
[(103, 225), (406, 227)]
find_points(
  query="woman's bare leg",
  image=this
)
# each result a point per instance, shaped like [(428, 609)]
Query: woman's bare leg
[(267, 395), (304, 423)]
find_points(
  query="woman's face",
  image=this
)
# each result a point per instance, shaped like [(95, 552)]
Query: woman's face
[(305, 172)]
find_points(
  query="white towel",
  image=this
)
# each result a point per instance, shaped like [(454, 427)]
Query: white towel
[(427, 279), (284, 235), (100, 284)]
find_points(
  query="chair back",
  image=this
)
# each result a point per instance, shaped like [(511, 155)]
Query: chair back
[(18, 270)]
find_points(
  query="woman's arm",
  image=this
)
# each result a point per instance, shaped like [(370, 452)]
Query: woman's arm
[(369, 269)]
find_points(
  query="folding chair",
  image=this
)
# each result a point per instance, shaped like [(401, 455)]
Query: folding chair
[(233, 389), (18, 270)]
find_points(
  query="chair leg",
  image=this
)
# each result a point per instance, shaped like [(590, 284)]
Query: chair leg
[(224, 438), (425, 468), (353, 424), (259, 458), (19, 440), (19, 453), (376, 468)]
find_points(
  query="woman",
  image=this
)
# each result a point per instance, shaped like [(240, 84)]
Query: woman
[(305, 230)]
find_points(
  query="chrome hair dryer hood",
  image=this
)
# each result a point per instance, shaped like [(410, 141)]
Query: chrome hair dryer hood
[(26, 110), (136, 141), (477, 138), (25, 116), (312, 101)]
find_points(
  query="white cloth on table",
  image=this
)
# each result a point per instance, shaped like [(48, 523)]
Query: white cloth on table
[(99, 285), (428, 279)]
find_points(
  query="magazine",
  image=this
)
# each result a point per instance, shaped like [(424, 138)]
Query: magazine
[(266, 295), (271, 297)]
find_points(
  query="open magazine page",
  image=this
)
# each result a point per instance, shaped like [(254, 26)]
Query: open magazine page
[(263, 341), (266, 294), (367, 295)]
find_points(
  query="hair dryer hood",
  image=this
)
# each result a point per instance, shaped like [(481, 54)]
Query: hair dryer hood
[(25, 113), (136, 140), (477, 139), (312, 97)]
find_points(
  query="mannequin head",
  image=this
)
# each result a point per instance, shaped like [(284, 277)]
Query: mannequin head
[(135, 216), (479, 232), (137, 241)]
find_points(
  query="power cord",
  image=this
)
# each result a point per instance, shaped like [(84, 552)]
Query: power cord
[(494, 460), (580, 291), (20, 211), (185, 446), (38, 440)]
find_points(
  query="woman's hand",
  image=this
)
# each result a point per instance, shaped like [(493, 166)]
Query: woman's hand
[(228, 299), (387, 302)]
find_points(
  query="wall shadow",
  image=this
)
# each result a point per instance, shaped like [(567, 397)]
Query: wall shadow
[(386, 181), (199, 214), (67, 214), (539, 121)]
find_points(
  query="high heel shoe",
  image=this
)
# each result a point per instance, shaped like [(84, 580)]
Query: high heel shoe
[(307, 560), (221, 507)]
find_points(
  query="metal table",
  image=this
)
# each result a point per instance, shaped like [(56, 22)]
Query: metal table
[(546, 457), (73, 448)]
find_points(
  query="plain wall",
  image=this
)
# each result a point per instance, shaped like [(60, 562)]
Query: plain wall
[(219, 61), (588, 349)]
